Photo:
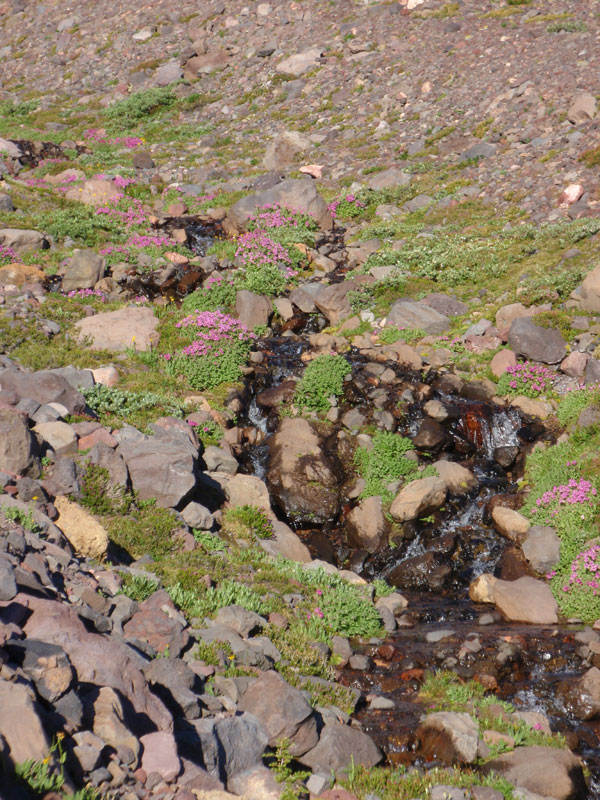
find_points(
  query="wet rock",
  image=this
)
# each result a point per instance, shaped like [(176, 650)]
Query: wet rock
[(536, 343), (338, 746), (407, 314), (83, 271), (128, 327), (481, 589), (272, 398), (282, 711), (424, 572), (458, 479), (506, 455), (366, 525), (525, 600), (418, 499), (430, 436), (253, 310), (582, 695), (301, 478), (20, 723), (510, 523), (299, 194), (19, 451), (545, 771), (448, 736), (541, 548)]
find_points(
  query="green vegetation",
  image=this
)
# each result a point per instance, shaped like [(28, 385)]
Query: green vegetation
[(385, 463), (126, 114), (292, 779), (323, 378), (252, 520), (138, 587), (115, 405), (23, 518), (391, 334)]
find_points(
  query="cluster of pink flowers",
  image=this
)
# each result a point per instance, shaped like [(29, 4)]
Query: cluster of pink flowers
[(258, 249), (96, 135), (7, 254), (587, 560), (575, 491), (132, 214), (213, 327), (87, 293), (531, 376), (215, 278), (349, 198), (274, 216)]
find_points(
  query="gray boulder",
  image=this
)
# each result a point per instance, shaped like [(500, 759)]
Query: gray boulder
[(252, 310), (407, 314), (449, 736), (84, 270), (545, 771), (23, 240), (339, 747), (297, 193), (541, 547), (18, 446), (536, 343)]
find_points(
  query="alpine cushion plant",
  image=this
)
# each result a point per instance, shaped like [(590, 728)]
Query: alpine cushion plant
[(217, 348), (7, 254), (528, 379), (265, 264), (322, 379)]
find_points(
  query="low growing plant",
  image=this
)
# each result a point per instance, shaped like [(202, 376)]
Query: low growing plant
[(323, 378)]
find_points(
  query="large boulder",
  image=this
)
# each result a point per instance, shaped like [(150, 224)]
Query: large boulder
[(162, 466), (582, 696), (20, 723), (301, 478), (541, 548), (419, 499), (94, 192), (297, 193), (339, 747), (525, 600), (252, 309), (84, 270), (19, 452), (536, 343), (545, 771), (22, 241), (510, 523), (589, 291), (96, 659), (408, 314), (283, 712), (85, 533), (130, 327), (458, 479), (47, 386)]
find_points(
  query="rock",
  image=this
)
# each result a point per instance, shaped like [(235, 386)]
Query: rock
[(525, 600), (407, 314), (167, 73), (253, 310), (107, 376), (20, 723), (19, 451), (10, 148), (206, 63), (128, 327), (217, 459), (333, 300), (582, 109), (531, 407), (243, 490), (198, 516), (338, 747), (541, 548), (481, 589), (458, 479), (582, 695), (445, 304), (301, 478), (501, 361), (108, 721), (430, 436), (286, 543), (161, 467), (282, 711), (479, 150), (84, 270), (299, 63), (506, 315), (19, 274), (22, 241), (160, 755), (257, 783), (574, 364), (47, 665), (448, 736), (510, 523), (242, 742), (406, 355), (536, 343), (366, 525), (240, 620), (545, 771), (8, 583), (281, 152), (59, 436), (86, 535), (172, 680), (98, 660), (388, 179), (589, 291), (95, 192), (418, 499), (297, 193), (158, 623)]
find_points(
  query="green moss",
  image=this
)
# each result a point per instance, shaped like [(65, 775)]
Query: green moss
[(385, 463), (322, 379)]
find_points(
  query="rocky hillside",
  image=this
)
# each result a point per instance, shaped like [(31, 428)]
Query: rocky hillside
[(299, 405)]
